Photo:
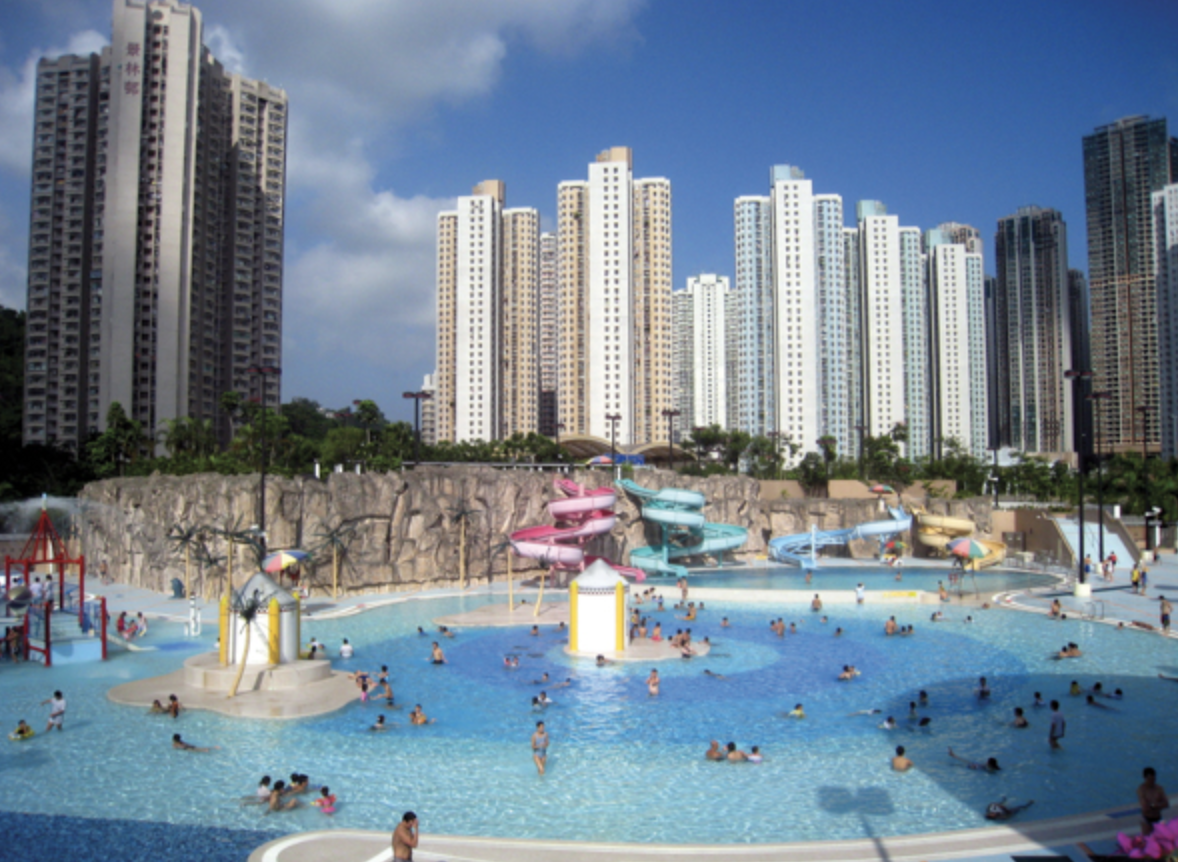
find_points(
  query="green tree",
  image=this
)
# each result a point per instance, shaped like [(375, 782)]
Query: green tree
[(307, 419), (123, 443)]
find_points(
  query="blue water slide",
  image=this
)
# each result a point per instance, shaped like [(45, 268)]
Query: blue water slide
[(801, 549)]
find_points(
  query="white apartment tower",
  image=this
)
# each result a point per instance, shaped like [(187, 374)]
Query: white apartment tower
[(520, 321), (1165, 243), (549, 334), (882, 324), (156, 241), (834, 333), (700, 334), (614, 272), (914, 304)]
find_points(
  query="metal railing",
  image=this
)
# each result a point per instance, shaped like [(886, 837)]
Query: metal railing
[(1090, 609)]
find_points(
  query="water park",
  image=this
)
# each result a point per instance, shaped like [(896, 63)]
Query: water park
[(633, 619)]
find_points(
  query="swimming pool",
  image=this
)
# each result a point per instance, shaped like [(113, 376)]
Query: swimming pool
[(835, 577), (624, 766)]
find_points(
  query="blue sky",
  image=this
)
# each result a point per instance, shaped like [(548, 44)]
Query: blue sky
[(944, 111)]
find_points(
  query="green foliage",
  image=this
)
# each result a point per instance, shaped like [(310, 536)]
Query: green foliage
[(12, 374)]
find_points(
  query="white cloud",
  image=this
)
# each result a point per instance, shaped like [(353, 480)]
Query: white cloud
[(220, 41)]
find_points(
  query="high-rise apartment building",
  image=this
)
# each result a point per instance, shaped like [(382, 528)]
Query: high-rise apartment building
[(1165, 228), (755, 389), (614, 271), (1124, 164), (156, 231), (834, 332), (962, 234), (732, 358), (429, 412), (701, 352), (914, 306), (488, 313), (882, 332), (1031, 333), (549, 334)]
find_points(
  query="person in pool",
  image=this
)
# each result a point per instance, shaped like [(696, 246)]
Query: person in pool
[(816, 604), (1020, 720), (276, 802), (602, 661), (23, 731), (983, 689), (1074, 689), (900, 763), (379, 725), (1001, 811), (888, 723), (540, 747), (652, 683), (714, 752), (724, 623), (181, 745), (755, 755), (735, 755), (157, 708), (173, 706), (991, 764), (436, 654), (923, 698), (847, 674), (796, 712), (713, 674), (416, 716), (1039, 702), (325, 801)]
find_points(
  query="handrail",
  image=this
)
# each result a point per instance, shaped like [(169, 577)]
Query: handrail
[(1091, 614)]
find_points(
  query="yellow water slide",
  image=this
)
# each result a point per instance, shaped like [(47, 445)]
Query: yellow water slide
[(937, 531)]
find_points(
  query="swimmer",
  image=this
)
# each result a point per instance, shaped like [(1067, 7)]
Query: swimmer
[(540, 747), (714, 752), (1020, 720), (275, 802), (416, 716), (924, 722), (937, 617), (544, 699), (735, 755), (1074, 690), (1092, 701), (923, 698), (793, 628), (346, 650), (1039, 702), (173, 707), (755, 755), (157, 708), (1116, 695), (445, 632), (535, 632), (714, 675), (865, 712), (900, 763), (823, 620), (796, 712), (543, 680), (23, 731), (1001, 811), (888, 723), (991, 764), (724, 623), (262, 794), (602, 661), (567, 682), (326, 801), (420, 631), (912, 716), (379, 725), (181, 745), (983, 689), (838, 633), (436, 654), (816, 603), (809, 575), (298, 784), (382, 684), (1056, 609), (652, 683), (890, 626)]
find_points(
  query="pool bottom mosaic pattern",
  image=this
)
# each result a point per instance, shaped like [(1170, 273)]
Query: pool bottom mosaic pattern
[(625, 766)]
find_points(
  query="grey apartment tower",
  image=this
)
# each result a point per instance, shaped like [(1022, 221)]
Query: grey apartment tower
[(156, 232), (1124, 163)]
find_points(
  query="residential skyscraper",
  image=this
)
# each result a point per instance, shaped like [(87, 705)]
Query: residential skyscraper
[(882, 332), (701, 355), (156, 241), (917, 360), (1165, 226), (1032, 333), (756, 377), (732, 358), (834, 332), (549, 334), (520, 304), (1124, 163), (614, 271)]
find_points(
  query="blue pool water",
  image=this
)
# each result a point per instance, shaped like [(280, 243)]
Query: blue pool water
[(834, 577), (624, 766)]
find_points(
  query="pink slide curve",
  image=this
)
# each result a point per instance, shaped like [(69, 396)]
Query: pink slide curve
[(580, 516)]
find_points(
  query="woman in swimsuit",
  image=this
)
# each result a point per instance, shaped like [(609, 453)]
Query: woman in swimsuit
[(540, 747), (658, 632)]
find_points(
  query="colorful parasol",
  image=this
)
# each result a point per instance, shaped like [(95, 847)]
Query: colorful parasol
[(280, 560), (896, 545), (882, 489), (967, 548)]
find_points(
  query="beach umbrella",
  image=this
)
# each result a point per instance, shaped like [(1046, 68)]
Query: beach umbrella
[(605, 460), (967, 548), (896, 545), (882, 489), (280, 560)]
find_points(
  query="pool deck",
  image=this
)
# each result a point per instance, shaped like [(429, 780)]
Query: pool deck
[(1111, 603)]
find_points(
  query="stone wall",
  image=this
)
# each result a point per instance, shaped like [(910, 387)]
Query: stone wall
[(405, 525)]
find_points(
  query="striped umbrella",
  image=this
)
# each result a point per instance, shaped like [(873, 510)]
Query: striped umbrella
[(882, 489), (967, 548), (280, 560)]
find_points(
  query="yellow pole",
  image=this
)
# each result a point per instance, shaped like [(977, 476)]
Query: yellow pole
[(573, 591), (540, 597), (274, 614), (620, 601), (223, 653), (298, 622), (334, 571)]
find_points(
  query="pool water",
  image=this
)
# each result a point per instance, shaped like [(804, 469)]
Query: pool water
[(834, 577), (624, 766)]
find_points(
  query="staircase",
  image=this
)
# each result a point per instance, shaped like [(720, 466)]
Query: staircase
[(1070, 528)]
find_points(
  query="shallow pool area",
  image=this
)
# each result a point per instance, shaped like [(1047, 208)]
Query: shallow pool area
[(625, 766), (830, 576)]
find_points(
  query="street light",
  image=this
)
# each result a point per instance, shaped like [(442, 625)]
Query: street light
[(263, 371), (671, 414), (1077, 377), (994, 477), (417, 397), (613, 419), (1099, 398)]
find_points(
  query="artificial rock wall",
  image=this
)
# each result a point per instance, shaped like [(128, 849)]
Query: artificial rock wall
[(405, 527)]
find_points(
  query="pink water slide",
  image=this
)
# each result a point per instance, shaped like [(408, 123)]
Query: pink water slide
[(580, 515)]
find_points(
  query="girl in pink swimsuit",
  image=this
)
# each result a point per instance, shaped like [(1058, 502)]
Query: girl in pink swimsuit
[(326, 801)]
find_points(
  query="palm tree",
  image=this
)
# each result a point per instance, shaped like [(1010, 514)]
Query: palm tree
[(461, 513), (508, 546), (206, 557), (246, 610), (185, 539), (338, 540)]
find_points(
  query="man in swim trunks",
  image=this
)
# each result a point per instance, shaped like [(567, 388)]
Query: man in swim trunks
[(436, 654), (416, 716), (405, 838), (1166, 611), (900, 763), (56, 710), (816, 604), (735, 755), (714, 752), (991, 764), (180, 744), (1058, 725), (1153, 800), (540, 747)]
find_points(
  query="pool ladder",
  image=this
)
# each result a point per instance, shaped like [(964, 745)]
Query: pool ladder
[(1091, 607)]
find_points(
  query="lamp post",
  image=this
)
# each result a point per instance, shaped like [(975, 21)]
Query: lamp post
[(417, 397), (263, 371), (1144, 409), (671, 414), (1077, 377), (1099, 398), (995, 477), (613, 419)]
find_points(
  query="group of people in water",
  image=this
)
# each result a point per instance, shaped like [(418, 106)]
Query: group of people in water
[(280, 796)]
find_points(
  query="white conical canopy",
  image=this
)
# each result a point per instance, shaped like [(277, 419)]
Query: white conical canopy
[(599, 574)]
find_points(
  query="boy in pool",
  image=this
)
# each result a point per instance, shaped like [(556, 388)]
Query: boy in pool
[(379, 725), (991, 764), (181, 745), (900, 763), (1001, 811), (23, 731), (436, 654)]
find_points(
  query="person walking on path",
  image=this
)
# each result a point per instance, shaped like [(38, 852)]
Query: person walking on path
[(1166, 610), (405, 838)]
